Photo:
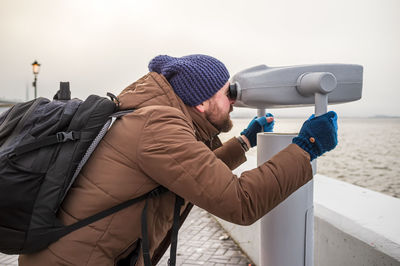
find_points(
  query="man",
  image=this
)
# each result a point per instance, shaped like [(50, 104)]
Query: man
[(171, 140)]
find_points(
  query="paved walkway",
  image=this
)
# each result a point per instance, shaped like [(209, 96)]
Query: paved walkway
[(202, 241)]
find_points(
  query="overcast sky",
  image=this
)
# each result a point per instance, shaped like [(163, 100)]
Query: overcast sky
[(104, 45)]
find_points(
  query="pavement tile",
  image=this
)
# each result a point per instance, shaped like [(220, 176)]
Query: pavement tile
[(234, 260)]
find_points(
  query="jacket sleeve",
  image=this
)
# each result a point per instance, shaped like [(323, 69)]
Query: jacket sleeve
[(231, 153), (170, 155)]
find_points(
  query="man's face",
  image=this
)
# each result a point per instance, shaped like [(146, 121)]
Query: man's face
[(218, 109)]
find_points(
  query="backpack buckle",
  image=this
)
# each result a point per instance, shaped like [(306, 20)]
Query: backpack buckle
[(64, 136)]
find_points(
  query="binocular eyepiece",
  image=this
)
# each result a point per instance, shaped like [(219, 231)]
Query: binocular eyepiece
[(232, 91)]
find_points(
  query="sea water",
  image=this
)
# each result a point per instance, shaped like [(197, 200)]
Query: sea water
[(367, 155)]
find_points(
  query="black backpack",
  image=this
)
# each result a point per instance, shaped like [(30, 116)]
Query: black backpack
[(43, 146)]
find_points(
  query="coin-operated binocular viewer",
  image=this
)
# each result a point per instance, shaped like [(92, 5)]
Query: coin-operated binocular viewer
[(287, 230)]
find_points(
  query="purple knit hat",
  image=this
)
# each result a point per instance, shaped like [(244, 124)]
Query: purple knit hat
[(194, 78)]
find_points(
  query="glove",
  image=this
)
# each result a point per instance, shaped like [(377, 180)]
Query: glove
[(318, 134), (255, 127)]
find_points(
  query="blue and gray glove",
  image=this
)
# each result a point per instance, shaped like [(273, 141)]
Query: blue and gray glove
[(318, 134), (255, 127)]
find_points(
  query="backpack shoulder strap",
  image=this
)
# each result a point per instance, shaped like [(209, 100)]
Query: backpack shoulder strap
[(174, 233), (94, 144)]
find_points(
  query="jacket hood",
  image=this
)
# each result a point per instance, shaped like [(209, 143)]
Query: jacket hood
[(150, 90)]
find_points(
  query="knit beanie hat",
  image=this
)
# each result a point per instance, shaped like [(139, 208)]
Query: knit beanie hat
[(194, 78)]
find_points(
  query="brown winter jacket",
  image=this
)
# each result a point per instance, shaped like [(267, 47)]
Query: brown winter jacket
[(163, 142)]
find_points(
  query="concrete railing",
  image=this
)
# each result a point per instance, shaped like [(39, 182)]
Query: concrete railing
[(353, 225)]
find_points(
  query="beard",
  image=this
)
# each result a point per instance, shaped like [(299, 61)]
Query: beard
[(220, 121)]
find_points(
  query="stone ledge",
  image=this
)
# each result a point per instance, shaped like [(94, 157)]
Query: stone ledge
[(371, 217), (369, 220)]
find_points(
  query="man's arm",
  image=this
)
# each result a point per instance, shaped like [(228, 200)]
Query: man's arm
[(231, 153), (170, 155)]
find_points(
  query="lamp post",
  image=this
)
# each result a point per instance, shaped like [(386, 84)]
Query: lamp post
[(35, 68)]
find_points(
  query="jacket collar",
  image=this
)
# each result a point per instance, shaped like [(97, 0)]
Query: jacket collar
[(205, 131)]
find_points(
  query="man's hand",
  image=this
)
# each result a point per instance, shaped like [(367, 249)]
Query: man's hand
[(249, 134), (318, 134)]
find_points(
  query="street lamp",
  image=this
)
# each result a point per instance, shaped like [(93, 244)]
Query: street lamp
[(35, 68)]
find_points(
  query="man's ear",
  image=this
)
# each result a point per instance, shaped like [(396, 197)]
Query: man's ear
[(202, 107)]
